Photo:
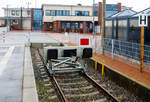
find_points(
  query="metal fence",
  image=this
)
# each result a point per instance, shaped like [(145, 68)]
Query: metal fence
[(121, 48), (126, 49)]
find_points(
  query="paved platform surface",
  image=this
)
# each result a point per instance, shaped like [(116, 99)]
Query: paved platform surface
[(118, 65), (11, 74), (17, 83), (29, 86), (124, 69), (23, 37)]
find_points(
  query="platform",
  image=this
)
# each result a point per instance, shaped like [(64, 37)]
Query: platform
[(11, 74), (29, 86), (124, 69), (16, 71)]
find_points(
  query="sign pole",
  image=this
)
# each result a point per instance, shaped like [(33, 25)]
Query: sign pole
[(142, 49), (143, 22)]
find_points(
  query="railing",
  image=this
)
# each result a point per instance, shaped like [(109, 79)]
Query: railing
[(126, 49)]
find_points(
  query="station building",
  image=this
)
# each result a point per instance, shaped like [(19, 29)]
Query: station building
[(75, 18), (17, 18), (59, 18), (71, 18)]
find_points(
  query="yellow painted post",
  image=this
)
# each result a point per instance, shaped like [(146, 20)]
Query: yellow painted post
[(103, 68), (95, 63), (142, 49), (80, 98)]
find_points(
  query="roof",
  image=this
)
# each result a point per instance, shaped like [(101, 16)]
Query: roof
[(145, 11), (3, 18), (17, 8), (66, 5), (124, 13)]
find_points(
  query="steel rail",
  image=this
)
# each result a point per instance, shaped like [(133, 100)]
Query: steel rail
[(63, 98), (55, 83), (106, 93), (86, 76)]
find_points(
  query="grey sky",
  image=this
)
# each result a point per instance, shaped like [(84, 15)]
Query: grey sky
[(136, 4)]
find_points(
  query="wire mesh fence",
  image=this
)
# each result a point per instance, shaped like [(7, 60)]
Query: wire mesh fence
[(127, 49)]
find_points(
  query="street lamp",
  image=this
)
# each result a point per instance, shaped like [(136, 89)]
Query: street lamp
[(93, 17), (94, 33), (7, 17), (103, 26)]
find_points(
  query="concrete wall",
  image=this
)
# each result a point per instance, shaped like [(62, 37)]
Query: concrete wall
[(72, 10), (27, 24)]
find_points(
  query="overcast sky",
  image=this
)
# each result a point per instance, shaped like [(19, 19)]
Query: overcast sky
[(136, 4)]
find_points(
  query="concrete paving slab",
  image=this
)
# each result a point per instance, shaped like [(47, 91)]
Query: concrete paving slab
[(11, 75), (16, 72), (28, 81), (29, 95), (29, 86)]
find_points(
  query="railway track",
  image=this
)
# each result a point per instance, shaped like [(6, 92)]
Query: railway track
[(74, 87)]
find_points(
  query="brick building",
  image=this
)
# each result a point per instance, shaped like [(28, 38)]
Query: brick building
[(60, 18)]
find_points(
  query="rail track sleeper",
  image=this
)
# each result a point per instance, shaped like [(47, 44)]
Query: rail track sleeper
[(114, 99), (55, 83), (63, 98)]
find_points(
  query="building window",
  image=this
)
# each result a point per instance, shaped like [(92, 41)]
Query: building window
[(13, 12), (63, 12), (58, 13), (81, 13), (28, 12), (96, 10), (85, 13), (67, 13), (17, 12), (110, 13), (47, 13), (78, 13), (95, 13), (52, 12), (68, 25)]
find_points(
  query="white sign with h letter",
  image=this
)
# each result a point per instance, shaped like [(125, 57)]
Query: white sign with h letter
[(143, 20)]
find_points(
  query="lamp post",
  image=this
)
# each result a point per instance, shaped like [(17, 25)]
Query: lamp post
[(94, 33), (103, 25), (7, 18)]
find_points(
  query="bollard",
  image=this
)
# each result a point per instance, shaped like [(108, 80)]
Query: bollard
[(80, 98), (95, 63), (3, 37), (103, 68), (112, 49)]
